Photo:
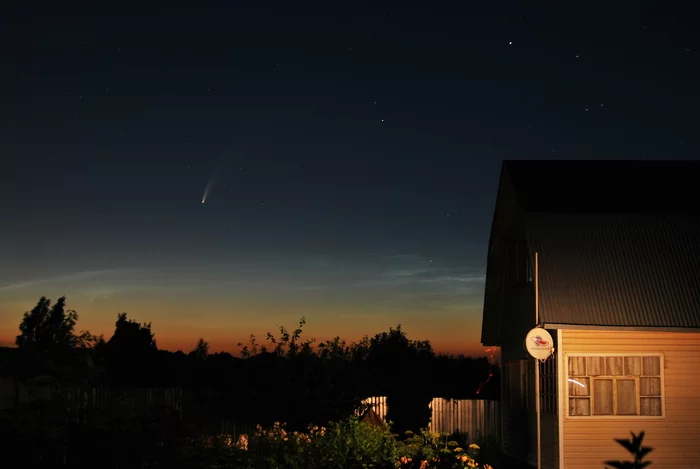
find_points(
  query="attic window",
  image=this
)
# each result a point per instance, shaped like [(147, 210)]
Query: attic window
[(520, 272)]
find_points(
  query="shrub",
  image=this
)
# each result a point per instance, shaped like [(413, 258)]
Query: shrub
[(348, 444), (352, 443), (430, 450)]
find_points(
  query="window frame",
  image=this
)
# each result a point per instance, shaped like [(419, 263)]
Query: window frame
[(565, 378), (548, 387), (519, 268)]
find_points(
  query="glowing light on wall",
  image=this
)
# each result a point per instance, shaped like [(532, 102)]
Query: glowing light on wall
[(491, 351)]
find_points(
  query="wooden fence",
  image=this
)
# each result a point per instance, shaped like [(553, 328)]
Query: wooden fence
[(476, 418), (82, 400)]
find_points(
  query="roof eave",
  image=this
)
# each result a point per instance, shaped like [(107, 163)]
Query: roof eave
[(599, 327)]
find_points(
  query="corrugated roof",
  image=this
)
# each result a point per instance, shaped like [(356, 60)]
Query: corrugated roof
[(618, 242), (634, 270)]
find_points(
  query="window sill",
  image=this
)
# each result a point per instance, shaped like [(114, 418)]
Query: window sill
[(615, 417)]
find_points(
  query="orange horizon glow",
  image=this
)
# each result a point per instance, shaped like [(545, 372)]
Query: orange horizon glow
[(447, 336), (225, 304), (174, 344)]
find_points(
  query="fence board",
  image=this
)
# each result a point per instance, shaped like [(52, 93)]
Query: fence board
[(476, 418)]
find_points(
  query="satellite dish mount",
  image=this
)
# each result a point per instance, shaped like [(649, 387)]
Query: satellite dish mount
[(539, 344)]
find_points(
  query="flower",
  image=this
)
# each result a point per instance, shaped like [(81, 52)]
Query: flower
[(474, 446)]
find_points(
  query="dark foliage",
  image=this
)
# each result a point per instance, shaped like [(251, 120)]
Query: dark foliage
[(285, 380), (635, 448)]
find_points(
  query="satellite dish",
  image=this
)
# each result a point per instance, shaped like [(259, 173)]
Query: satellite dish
[(539, 343)]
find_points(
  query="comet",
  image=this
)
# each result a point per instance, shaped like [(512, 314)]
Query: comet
[(214, 177), (207, 188)]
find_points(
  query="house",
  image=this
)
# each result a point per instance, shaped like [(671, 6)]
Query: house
[(612, 249)]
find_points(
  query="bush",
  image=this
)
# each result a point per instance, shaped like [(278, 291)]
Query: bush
[(347, 444), (430, 450)]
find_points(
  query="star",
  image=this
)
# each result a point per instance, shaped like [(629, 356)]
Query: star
[(510, 43)]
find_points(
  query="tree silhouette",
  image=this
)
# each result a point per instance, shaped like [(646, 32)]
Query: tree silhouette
[(131, 352), (402, 366), (48, 344), (201, 350), (286, 380), (51, 329)]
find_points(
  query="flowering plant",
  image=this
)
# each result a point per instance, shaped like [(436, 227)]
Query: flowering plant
[(347, 444), (430, 450)]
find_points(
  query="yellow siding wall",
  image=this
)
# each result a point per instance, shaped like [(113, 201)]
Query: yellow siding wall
[(675, 438)]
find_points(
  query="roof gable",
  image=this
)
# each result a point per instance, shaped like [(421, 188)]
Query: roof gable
[(618, 242)]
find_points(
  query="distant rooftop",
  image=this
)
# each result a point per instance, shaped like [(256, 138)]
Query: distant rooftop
[(606, 186)]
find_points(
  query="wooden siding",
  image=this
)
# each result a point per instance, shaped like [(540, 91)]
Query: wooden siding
[(589, 441)]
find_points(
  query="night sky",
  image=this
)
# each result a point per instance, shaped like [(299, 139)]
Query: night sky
[(350, 157)]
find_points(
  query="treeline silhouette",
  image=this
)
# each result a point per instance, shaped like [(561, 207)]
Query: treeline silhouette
[(287, 378)]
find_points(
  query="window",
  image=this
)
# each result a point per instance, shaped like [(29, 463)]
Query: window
[(512, 272), (548, 386), (628, 385), (520, 271), (527, 269)]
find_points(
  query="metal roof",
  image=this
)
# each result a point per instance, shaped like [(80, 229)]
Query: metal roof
[(618, 242), (631, 270)]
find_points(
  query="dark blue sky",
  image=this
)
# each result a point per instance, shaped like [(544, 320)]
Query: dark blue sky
[(352, 154)]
